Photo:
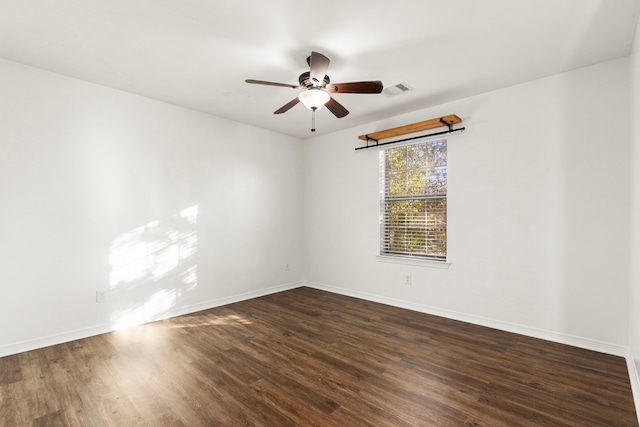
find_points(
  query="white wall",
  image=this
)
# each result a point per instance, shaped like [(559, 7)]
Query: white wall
[(167, 209), (538, 211), (89, 176), (634, 297)]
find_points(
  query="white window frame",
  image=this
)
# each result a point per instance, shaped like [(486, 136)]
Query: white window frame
[(429, 224)]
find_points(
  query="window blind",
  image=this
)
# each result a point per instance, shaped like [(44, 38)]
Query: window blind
[(413, 200)]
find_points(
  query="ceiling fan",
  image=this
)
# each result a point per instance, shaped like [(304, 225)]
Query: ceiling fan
[(318, 87)]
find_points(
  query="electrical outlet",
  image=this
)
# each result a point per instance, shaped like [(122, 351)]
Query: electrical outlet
[(101, 295), (407, 279)]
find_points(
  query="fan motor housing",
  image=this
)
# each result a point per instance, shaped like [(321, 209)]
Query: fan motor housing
[(307, 82)]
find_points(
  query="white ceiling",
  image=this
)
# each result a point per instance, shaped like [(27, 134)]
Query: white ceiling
[(197, 53)]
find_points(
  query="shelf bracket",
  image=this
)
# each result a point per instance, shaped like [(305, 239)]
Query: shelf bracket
[(446, 123), (368, 138)]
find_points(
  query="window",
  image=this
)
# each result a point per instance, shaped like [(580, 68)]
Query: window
[(413, 201)]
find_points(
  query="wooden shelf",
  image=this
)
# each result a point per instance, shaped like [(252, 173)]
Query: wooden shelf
[(449, 120)]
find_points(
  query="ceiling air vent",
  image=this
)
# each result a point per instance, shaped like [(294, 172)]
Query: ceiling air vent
[(397, 89)]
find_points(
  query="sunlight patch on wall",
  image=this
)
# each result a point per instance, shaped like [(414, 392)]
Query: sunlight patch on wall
[(158, 303), (153, 250), (152, 268)]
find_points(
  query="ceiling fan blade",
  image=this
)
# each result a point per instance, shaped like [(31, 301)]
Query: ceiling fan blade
[(336, 108), (287, 106), (356, 87), (262, 82), (318, 67)]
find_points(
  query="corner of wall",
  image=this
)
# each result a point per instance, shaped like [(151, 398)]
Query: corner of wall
[(633, 356)]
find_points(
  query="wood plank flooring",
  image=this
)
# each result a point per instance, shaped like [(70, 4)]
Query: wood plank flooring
[(310, 358)]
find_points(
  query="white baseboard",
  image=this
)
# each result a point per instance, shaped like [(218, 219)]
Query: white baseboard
[(19, 347), (586, 343), (234, 298)]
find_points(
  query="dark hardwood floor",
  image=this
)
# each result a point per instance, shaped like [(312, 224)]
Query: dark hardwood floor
[(311, 358)]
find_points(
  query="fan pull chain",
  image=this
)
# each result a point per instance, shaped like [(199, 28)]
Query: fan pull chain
[(313, 119)]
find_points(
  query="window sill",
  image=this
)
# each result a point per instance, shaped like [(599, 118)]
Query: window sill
[(413, 261)]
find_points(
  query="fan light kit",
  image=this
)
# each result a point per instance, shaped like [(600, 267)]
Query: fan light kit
[(314, 99), (318, 89)]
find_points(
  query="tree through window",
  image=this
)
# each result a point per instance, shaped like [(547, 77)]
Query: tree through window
[(413, 200)]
